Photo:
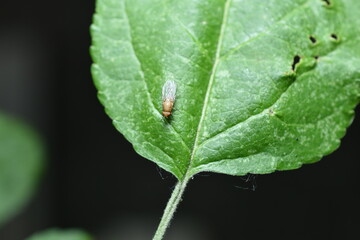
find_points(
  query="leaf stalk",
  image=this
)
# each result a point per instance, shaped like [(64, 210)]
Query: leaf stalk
[(170, 209)]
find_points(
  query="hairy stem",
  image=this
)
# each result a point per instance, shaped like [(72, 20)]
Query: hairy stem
[(170, 208)]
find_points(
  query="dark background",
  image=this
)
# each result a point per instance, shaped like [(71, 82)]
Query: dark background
[(95, 180)]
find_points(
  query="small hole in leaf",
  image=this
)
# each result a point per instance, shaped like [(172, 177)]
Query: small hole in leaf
[(327, 2), (295, 61), (316, 57), (312, 39), (334, 36)]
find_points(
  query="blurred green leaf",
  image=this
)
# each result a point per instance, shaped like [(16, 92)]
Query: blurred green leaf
[(21, 162), (262, 85), (57, 234)]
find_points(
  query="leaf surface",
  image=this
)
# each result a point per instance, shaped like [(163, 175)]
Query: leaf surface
[(261, 85), (21, 161), (57, 234)]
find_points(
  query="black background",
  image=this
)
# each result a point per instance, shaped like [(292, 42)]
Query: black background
[(95, 180)]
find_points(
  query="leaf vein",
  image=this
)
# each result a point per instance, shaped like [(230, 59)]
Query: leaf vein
[(211, 81), (264, 33)]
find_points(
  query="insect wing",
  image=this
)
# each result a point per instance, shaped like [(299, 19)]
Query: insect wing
[(169, 91)]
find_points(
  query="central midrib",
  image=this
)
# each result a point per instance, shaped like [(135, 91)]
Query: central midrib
[(211, 81)]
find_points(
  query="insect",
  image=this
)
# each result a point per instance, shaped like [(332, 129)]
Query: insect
[(168, 97)]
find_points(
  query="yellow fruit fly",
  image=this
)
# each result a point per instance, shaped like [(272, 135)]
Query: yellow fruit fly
[(168, 97)]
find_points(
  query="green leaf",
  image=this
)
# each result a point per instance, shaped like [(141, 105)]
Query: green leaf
[(21, 161), (262, 85), (57, 234)]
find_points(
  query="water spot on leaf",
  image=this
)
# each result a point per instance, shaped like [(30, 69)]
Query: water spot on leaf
[(295, 61)]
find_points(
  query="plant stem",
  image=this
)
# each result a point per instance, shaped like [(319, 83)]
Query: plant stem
[(171, 208)]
